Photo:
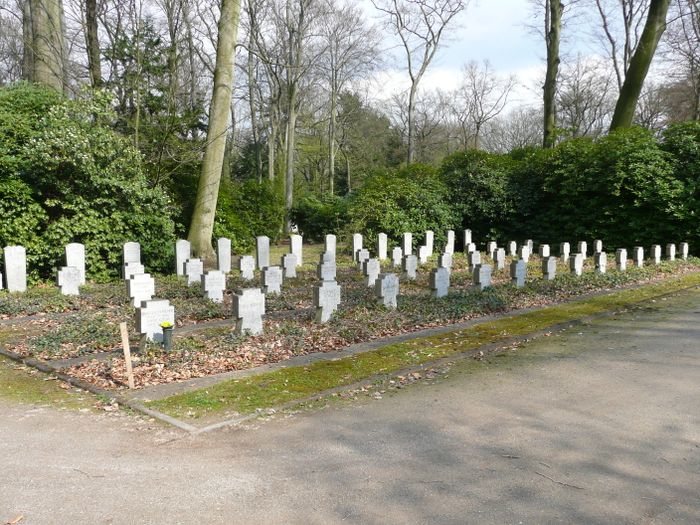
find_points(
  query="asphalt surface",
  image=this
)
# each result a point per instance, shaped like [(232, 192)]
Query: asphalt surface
[(598, 424)]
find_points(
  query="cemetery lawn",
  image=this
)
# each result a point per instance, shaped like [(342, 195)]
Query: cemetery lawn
[(80, 335), (302, 383)]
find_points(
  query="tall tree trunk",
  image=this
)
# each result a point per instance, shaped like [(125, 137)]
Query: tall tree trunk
[(48, 43), (331, 139), (202, 225), (253, 108), (639, 64), (411, 102), (290, 136), (27, 42), (93, 44), (553, 15)]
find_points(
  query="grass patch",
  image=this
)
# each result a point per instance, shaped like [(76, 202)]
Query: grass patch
[(275, 388), (25, 385)]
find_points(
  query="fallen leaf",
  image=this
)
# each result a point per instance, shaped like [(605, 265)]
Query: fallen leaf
[(16, 520)]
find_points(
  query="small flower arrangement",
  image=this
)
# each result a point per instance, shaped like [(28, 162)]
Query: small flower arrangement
[(166, 324)]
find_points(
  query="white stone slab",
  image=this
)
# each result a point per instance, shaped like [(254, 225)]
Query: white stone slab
[(387, 289), (621, 259), (131, 269), (194, 269), (356, 245), (140, 287), (382, 246), (223, 254), (549, 268), (326, 300), (75, 257), (656, 254), (671, 252), (150, 315), (131, 253), (69, 280), (246, 265), (600, 260), (396, 257), (409, 264), (262, 252), (272, 280), (15, 268), (518, 272), (638, 256), (296, 247), (288, 263), (183, 252), (214, 285), (440, 282), (407, 244), (248, 311), (430, 242), (371, 269), (450, 243), (576, 264), (482, 276)]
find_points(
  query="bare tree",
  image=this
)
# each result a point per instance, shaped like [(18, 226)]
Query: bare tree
[(554, 10), (682, 50), (519, 128), (420, 26)]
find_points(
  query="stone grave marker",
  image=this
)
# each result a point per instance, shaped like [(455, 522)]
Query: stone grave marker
[(140, 287), (248, 310), (15, 268), (296, 247), (544, 250), (482, 276), (407, 244), (500, 259), (597, 246), (530, 246), (409, 266), (638, 256), (430, 242), (549, 268), (423, 254), (326, 269), (326, 300), (565, 251), (467, 238), (150, 315), (382, 246), (656, 254), (131, 269), (469, 248), (512, 248), (330, 244), (356, 245), (246, 265), (131, 253), (183, 252), (524, 253), (583, 249), (621, 259), (473, 258), (69, 280), (684, 251), (75, 256), (213, 285), (288, 263), (272, 280), (440, 282), (223, 254), (361, 256), (371, 269), (671, 252), (387, 289), (450, 243), (518, 272), (194, 268), (576, 264), (445, 261), (396, 256), (601, 262), (262, 252), (491, 247)]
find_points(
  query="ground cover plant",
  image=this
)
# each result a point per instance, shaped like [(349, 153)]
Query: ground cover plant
[(85, 329)]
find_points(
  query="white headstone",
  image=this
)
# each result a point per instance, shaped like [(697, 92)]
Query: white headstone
[(576, 264), (194, 268), (382, 246), (597, 246), (684, 251), (15, 268), (530, 246), (330, 244), (396, 256), (500, 259), (69, 280), (656, 254), (150, 315), (131, 269), (223, 254), (248, 310), (326, 270), (131, 253), (371, 269), (272, 280), (482, 276), (450, 244), (469, 248), (246, 265), (409, 266), (512, 248), (544, 250), (445, 261), (467, 238), (387, 289), (361, 256), (583, 248), (407, 245), (296, 246), (423, 254), (430, 242), (564, 251), (549, 268), (289, 265), (140, 287), (671, 252), (621, 259), (601, 262), (491, 247), (518, 272), (473, 258), (524, 253), (638, 256), (213, 285), (262, 252), (183, 251), (356, 245), (75, 256), (440, 282), (326, 300)]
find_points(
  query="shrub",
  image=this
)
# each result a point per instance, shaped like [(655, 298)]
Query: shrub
[(67, 177), (318, 216)]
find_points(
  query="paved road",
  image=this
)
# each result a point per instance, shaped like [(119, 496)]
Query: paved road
[(599, 424)]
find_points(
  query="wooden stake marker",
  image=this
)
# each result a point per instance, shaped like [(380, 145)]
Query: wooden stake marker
[(127, 354)]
